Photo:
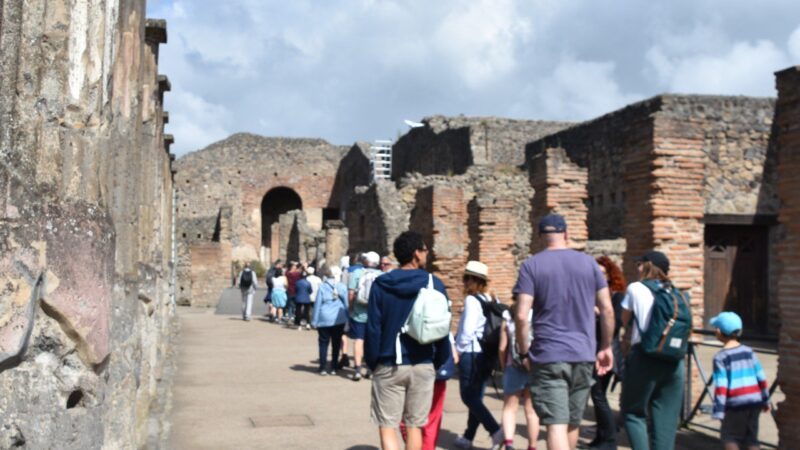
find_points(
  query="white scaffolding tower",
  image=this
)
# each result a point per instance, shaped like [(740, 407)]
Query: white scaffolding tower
[(381, 162)]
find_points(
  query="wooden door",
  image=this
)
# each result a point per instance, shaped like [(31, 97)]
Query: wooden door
[(736, 274)]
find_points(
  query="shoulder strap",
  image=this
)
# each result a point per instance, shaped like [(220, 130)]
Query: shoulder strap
[(430, 281)]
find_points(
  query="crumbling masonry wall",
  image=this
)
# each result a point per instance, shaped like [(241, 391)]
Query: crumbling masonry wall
[(451, 145), (237, 173), (787, 126), (85, 226), (656, 170)]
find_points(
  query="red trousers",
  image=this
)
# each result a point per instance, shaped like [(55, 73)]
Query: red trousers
[(430, 432)]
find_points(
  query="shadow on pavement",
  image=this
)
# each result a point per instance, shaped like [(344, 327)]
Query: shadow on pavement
[(362, 447), (304, 368)]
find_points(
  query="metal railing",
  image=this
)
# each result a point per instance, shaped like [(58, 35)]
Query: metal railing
[(688, 410)]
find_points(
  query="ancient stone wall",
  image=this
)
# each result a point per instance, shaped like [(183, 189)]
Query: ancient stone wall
[(85, 226), (787, 126), (450, 145), (600, 147), (238, 173), (655, 171)]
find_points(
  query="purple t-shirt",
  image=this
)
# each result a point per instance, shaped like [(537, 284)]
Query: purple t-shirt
[(564, 285)]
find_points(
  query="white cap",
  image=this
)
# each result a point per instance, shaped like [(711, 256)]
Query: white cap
[(310, 270), (372, 259), (344, 262)]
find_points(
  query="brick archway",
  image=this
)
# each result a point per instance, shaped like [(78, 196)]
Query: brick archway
[(276, 201)]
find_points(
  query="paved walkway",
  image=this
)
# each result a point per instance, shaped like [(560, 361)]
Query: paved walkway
[(253, 385)]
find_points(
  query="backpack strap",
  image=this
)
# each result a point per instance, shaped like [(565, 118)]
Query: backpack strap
[(430, 281)]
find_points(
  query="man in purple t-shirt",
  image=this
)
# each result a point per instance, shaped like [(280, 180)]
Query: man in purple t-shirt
[(563, 286)]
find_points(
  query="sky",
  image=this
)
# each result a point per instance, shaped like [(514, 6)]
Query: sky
[(350, 70)]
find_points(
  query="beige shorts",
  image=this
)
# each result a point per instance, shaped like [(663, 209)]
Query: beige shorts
[(402, 393)]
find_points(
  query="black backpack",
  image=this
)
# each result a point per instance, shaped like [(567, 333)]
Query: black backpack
[(490, 341), (247, 279), (667, 335)]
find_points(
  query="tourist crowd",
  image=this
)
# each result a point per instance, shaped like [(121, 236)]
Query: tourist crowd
[(572, 328)]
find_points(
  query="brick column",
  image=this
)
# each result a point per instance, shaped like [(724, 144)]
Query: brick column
[(495, 244), (665, 207), (559, 187), (787, 128)]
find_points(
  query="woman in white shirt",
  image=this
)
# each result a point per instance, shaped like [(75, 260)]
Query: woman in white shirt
[(652, 387), (474, 369)]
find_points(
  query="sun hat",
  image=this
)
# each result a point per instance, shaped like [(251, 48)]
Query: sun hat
[(658, 259), (477, 269), (728, 323), (552, 223)]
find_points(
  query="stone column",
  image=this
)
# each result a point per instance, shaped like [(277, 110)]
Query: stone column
[(336, 241), (787, 128)]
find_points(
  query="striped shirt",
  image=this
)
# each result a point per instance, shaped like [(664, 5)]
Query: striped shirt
[(740, 381)]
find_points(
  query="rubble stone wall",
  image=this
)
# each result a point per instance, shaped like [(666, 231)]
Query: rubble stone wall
[(451, 145), (86, 318)]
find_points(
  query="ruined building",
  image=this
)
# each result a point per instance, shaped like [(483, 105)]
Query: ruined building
[(86, 316), (709, 180)]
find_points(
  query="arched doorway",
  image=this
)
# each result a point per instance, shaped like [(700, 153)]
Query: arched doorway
[(277, 201)]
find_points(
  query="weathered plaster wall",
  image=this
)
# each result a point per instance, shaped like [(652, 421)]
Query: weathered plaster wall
[(85, 214)]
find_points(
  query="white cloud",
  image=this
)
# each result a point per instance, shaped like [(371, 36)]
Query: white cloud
[(794, 45), (575, 90), (197, 122), (480, 41), (347, 70), (744, 68)]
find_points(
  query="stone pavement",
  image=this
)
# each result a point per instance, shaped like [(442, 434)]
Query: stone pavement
[(253, 385)]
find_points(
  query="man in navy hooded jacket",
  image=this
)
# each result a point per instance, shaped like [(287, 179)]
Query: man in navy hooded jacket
[(404, 391)]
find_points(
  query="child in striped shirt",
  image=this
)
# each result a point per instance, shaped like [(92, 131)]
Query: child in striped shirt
[(741, 386)]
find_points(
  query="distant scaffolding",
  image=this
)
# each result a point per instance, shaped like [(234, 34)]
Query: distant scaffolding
[(381, 163)]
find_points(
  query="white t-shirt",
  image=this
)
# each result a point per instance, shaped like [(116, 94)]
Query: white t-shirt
[(279, 282), (639, 300), (470, 329), (315, 282)]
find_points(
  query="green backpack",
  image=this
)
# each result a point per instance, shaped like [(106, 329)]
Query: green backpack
[(667, 336)]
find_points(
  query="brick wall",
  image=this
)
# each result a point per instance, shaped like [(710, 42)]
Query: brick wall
[(210, 272), (448, 236), (787, 121), (559, 187), (496, 244), (678, 204)]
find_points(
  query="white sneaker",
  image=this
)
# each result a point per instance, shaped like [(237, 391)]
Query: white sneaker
[(498, 439), (462, 442)]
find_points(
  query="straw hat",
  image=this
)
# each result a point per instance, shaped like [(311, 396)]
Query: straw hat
[(477, 269)]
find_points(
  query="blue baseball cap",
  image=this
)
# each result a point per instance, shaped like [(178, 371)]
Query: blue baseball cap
[(552, 223), (728, 323)]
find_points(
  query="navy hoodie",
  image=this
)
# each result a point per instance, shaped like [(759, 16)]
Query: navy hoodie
[(390, 301)]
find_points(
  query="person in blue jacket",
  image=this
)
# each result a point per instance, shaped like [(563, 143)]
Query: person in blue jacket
[(330, 315), (402, 385)]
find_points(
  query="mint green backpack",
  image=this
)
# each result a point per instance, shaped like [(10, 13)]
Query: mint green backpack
[(429, 319)]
